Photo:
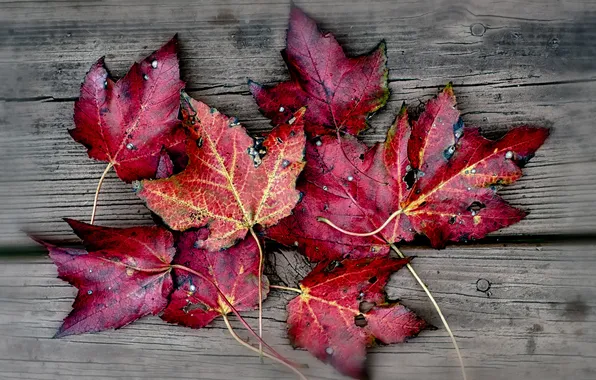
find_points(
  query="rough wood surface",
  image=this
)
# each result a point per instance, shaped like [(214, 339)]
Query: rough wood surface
[(535, 322), (512, 62)]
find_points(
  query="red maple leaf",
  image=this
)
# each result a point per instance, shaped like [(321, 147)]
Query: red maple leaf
[(343, 309), (196, 300), (439, 178), (128, 122), (339, 92), (122, 276), (232, 181)]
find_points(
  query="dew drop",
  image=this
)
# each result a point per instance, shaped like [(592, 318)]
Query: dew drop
[(451, 149), (279, 140), (89, 292), (319, 143), (329, 351), (469, 188), (473, 171), (296, 244), (292, 120), (90, 270), (105, 84), (373, 249), (458, 133), (509, 155), (350, 178), (281, 109), (193, 288), (145, 77), (325, 188), (361, 295), (154, 63), (130, 146), (285, 163)]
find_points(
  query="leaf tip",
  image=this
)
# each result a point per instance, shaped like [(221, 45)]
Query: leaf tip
[(403, 111), (449, 89)]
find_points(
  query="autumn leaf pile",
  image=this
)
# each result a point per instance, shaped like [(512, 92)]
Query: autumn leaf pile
[(310, 184)]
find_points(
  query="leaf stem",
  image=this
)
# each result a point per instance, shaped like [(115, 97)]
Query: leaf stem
[(103, 176), (260, 279), (250, 347), (286, 288), (361, 234), (413, 272), (229, 304), (437, 308)]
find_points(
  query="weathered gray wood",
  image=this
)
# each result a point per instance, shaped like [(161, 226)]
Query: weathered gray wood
[(511, 64), (538, 323)]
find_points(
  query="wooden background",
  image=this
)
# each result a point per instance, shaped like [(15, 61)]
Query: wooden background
[(512, 62)]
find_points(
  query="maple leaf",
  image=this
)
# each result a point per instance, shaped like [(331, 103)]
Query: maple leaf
[(122, 276), (128, 122), (232, 182), (196, 300), (340, 92), (437, 178), (343, 309)]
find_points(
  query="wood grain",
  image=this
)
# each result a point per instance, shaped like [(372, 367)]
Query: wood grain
[(512, 63), (536, 67), (536, 321)]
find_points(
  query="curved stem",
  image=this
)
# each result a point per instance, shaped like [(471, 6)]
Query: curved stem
[(437, 308), (260, 279), (286, 288), (103, 176), (229, 304), (242, 342), (361, 234)]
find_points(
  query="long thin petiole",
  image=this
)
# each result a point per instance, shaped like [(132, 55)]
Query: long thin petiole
[(286, 288), (242, 342), (437, 308), (361, 234), (103, 176), (260, 279), (244, 323)]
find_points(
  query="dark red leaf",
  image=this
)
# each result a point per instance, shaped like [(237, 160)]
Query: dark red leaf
[(165, 166), (343, 310), (196, 301), (232, 181), (128, 122), (339, 92), (123, 276), (443, 177)]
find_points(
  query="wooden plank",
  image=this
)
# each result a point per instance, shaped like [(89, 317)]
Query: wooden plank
[(511, 64), (536, 322), (46, 176)]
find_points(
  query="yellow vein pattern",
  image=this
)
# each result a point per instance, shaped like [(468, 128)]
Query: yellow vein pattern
[(232, 182)]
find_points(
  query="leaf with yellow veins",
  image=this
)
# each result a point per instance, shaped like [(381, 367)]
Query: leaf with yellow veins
[(232, 182), (343, 310), (196, 300)]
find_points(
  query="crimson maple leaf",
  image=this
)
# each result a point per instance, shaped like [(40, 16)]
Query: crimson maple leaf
[(343, 309), (339, 92), (122, 276), (232, 181), (196, 300), (438, 178), (128, 122)]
